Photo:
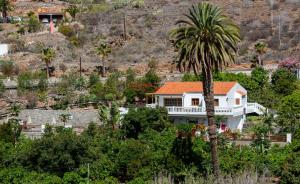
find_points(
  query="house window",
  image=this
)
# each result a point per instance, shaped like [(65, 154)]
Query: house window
[(237, 101), (195, 102), (216, 102), (173, 102)]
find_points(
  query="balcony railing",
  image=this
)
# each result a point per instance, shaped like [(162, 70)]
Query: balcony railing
[(231, 111), (235, 111)]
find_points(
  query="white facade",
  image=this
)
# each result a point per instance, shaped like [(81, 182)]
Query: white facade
[(3, 49), (232, 106)]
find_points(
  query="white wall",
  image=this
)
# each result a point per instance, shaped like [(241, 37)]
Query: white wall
[(228, 100), (235, 123), (232, 95), (187, 100), (3, 49)]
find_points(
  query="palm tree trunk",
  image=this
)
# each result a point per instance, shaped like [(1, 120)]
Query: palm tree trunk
[(47, 70), (4, 15), (259, 60), (103, 68), (210, 110)]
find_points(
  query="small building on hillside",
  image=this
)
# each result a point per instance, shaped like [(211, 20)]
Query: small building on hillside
[(4, 48), (47, 14), (185, 103)]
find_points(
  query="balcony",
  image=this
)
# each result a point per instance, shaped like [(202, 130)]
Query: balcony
[(225, 111), (200, 111)]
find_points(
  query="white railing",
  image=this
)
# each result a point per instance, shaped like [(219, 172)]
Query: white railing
[(256, 108), (231, 111), (151, 105), (202, 111)]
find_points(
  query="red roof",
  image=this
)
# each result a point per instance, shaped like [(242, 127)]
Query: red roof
[(220, 88)]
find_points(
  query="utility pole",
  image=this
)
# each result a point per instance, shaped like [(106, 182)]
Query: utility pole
[(80, 66), (124, 24), (279, 30)]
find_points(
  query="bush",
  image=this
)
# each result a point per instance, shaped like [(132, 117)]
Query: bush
[(2, 88), (138, 120), (25, 81), (66, 30), (7, 68), (94, 79), (21, 30), (33, 25), (189, 77)]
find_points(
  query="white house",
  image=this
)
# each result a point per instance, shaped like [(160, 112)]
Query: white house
[(185, 103), (3, 49)]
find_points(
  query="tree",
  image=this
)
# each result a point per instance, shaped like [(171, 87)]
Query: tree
[(34, 24), (138, 120), (5, 7), (47, 55), (64, 118), (206, 41), (283, 82), (260, 76), (109, 115), (10, 131), (73, 10), (15, 110), (103, 114), (261, 142), (114, 115), (289, 113), (260, 49), (102, 51)]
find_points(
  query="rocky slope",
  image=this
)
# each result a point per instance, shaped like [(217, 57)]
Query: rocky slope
[(276, 22)]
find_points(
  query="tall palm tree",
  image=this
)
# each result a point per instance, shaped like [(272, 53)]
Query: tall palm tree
[(103, 50), (5, 7), (260, 49), (47, 55), (206, 41)]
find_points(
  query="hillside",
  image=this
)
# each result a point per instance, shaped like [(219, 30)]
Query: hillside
[(147, 26)]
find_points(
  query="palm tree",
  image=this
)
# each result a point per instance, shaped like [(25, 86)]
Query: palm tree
[(47, 55), (73, 10), (260, 49), (5, 7), (206, 42), (102, 51), (64, 118)]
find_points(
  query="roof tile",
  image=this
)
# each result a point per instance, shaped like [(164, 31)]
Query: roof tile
[(220, 88)]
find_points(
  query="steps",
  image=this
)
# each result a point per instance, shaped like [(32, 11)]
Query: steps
[(256, 108)]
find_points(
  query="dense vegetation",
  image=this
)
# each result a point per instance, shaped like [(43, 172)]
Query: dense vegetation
[(145, 147)]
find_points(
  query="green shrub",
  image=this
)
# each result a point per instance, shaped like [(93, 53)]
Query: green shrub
[(7, 68), (66, 30), (25, 81), (34, 25), (21, 30), (283, 82), (2, 88)]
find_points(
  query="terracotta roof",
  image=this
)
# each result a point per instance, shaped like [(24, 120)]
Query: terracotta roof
[(241, 92), (220, 88)]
